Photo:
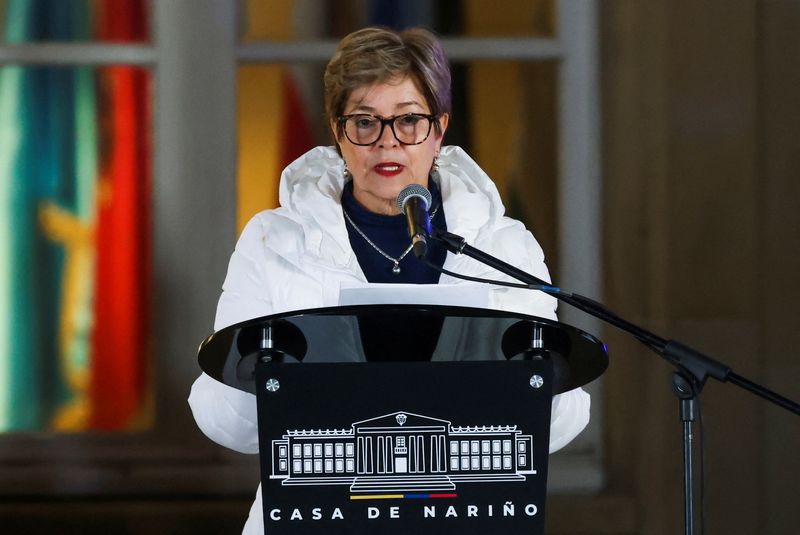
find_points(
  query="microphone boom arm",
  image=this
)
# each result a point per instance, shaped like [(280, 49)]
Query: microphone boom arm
[(692, 366), (689, 361)]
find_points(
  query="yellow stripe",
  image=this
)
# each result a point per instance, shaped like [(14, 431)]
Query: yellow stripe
[(269, 21), (261, 114), (496, 144)]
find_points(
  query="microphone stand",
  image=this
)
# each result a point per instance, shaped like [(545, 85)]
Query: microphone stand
[(692, 366)]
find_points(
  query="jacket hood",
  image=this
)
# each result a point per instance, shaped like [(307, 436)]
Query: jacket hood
[(319, 174), (310, 183)]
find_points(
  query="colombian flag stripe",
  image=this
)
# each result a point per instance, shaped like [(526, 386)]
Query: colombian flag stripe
[(409, 496)]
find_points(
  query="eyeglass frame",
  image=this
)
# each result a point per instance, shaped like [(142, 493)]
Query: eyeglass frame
[(432, 119)]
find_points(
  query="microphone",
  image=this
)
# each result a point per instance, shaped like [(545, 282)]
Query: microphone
[(414, 201)]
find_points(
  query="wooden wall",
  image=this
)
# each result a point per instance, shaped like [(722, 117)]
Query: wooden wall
[(701, 114)]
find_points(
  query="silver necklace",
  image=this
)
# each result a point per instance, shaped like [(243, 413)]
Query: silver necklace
[(396, 261)]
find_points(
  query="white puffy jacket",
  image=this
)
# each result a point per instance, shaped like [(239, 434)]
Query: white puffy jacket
[(297, 256)]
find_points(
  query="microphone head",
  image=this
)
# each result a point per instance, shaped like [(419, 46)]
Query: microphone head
[(414, 190)]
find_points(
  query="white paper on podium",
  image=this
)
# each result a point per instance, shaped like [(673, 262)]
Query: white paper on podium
[(465, 295)]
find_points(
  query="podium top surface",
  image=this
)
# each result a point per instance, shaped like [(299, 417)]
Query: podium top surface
[(394, 333)]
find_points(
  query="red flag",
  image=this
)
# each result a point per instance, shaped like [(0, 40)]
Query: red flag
[(120, 338), (298, 137)]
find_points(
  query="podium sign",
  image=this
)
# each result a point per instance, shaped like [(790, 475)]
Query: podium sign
[(399, 447), (396, 418)]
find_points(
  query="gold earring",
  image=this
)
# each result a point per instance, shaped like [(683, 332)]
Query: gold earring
[(435, 165)]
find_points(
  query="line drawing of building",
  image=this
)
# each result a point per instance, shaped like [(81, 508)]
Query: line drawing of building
[(402, 451)]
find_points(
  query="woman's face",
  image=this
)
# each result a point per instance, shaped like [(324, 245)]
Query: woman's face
[(381, 170)]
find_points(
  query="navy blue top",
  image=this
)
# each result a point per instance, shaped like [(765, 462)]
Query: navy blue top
[(390, 233)]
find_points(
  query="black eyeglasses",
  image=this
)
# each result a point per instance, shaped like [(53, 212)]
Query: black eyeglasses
[(365, 129)]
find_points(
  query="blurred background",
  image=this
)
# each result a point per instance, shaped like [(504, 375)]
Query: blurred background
[(653, 148)]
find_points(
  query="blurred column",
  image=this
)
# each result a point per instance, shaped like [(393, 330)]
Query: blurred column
[(194, 186)]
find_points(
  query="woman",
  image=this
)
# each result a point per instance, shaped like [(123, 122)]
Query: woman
[(387, 100)]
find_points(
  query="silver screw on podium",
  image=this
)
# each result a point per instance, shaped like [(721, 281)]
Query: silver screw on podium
[(273, 385), (537, 381)]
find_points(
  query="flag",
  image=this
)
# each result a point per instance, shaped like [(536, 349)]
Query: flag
[(47, 194), (273, 124), (120, 342), (56, 256)]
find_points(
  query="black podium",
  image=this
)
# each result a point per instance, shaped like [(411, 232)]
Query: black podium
[(396, 418)]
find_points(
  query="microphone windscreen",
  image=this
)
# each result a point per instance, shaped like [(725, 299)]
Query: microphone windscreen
[(414, 190)]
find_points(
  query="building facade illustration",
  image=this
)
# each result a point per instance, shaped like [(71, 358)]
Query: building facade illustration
[(402, 451)]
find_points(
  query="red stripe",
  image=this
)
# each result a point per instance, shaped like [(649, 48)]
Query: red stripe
[(122, 284), (296, 132)]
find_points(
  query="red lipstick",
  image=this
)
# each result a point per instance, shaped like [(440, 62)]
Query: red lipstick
[(388, 169)]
